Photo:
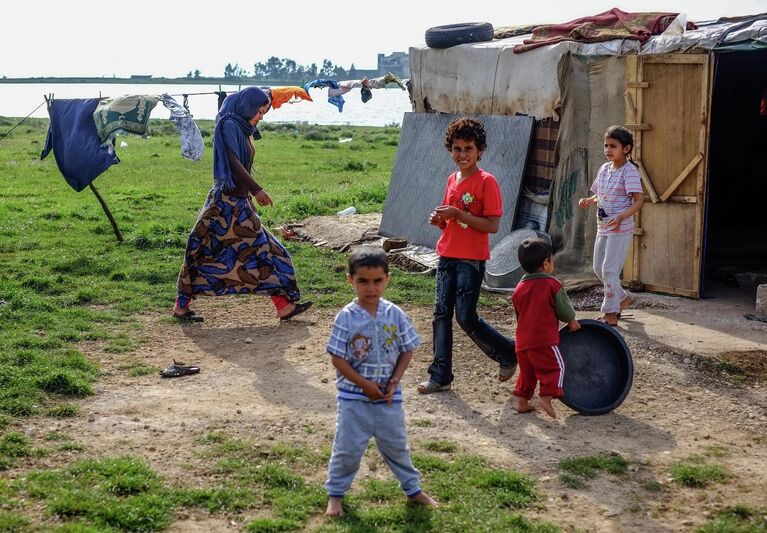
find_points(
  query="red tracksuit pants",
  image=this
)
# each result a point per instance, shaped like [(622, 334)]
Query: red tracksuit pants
[(544, 365)]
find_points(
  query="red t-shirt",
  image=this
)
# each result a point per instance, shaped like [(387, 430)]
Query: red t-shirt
[(479, 195)]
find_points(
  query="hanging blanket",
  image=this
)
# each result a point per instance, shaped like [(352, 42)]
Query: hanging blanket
[(79, 153), (612, 24), (128, 113)]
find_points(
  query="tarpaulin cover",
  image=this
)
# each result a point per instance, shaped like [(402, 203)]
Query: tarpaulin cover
[(72, 136), (489, 78), (592, 96)]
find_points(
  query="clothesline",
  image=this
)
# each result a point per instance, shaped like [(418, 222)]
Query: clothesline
[(20, 122), (7, 133), (335, 90)]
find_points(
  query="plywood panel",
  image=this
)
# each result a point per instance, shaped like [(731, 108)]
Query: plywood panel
[(672, 105), (666, 255)]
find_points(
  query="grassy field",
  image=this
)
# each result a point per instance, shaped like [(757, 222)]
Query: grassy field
[(65, 280)]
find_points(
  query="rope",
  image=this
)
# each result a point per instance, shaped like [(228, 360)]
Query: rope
[(6, 134), (186, 105)]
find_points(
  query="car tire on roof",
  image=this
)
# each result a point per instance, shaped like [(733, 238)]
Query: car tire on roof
[(453, 34)]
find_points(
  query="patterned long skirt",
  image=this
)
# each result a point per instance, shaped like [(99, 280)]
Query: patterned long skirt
[(229, 252)]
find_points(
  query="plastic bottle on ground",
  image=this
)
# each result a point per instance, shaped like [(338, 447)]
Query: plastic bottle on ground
[(348, 211)]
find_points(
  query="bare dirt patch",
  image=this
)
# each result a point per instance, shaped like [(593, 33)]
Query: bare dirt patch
[(271, 382)]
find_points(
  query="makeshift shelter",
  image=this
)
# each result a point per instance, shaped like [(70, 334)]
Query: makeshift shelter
[(692, 99)]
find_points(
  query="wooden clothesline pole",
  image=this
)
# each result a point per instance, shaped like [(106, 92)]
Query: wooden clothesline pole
[(105, 207)]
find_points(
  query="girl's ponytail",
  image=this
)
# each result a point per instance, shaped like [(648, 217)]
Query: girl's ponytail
[(624, 137)]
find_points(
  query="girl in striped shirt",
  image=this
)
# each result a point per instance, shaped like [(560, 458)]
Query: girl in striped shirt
[(618, 195)]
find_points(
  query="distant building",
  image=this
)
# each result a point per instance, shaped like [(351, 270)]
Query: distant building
[(398, 63), (140, 76)]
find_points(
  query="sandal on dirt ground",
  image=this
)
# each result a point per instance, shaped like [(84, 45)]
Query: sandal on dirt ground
[(428, 387), (604, 321), (505, 373), (189, 316), (300, 308), (178, 369)]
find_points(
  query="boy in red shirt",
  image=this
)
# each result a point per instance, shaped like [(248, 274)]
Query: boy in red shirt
[(471, 209), (540, 302)]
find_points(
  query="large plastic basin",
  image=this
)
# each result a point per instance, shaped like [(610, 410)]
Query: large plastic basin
[(599, 370)]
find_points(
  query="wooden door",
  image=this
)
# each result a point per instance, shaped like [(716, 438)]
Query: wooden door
[(667, 103)]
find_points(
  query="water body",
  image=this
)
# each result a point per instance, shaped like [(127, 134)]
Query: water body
[(386, 107)]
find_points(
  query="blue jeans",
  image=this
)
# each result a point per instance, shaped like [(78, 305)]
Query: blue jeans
[(458, 284)]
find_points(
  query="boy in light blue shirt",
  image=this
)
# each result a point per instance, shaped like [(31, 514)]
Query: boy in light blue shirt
[(371, 344)]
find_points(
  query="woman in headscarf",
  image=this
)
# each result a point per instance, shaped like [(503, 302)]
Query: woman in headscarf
[(229, 251)]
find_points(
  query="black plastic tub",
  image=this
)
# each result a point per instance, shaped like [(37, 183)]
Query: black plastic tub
[(599, 370)]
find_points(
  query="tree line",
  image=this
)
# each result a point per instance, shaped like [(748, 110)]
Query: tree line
[(284, 69)]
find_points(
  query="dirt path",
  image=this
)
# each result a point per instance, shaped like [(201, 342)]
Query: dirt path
[(269, 381)]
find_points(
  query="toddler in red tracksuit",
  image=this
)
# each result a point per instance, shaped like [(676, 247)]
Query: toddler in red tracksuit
[(540, 302)]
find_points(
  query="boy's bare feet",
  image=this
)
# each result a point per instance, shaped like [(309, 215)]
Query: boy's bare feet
[(545, 403), (335, 506), (523, 406), (423, 499), (626, 302)]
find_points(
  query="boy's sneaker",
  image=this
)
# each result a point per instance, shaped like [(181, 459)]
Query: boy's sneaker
[(428, 387), (505, 373)]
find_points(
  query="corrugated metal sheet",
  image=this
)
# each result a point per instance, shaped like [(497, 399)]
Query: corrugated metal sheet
[(423, 165)]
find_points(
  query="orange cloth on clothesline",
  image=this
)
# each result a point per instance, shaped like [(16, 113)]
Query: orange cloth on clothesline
[(280, 95)]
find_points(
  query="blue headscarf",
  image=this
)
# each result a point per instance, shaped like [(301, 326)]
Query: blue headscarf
[(233, 131)]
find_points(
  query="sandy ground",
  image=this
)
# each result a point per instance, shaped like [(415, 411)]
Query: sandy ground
[(272, 382)]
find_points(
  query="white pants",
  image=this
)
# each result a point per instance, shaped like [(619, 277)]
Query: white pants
[(609, 255)]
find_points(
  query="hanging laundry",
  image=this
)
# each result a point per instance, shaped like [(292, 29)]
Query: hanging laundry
[(128, 113), (366, 94), (343, 88), (77, 148), (281, 95), (192, 144), (221, 97), (332, 85), (380, 83), (372, 83)]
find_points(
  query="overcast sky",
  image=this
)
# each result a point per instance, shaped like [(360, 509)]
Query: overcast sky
[(171, 37)]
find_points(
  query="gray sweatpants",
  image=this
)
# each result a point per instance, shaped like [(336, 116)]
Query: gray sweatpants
[(356, 422), (609, 255)]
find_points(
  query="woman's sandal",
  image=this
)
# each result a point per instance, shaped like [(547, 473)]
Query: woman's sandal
[(428, 387), (189, 316), (505, 373), (298, 309), (178, 369)]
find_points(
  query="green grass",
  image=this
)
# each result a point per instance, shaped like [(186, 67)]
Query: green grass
[(12, 522), (575, 470), (729, 367), (693, 472), (66, 279), (64, 410), (737, 519), (441, 445), (13, 446)]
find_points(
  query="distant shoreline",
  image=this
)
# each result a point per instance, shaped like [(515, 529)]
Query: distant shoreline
[(154, 81)]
